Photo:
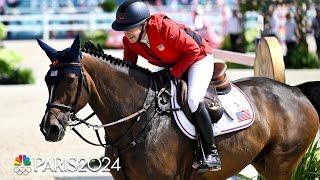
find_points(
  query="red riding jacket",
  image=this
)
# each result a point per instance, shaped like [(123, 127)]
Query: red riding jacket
[(170, 46)]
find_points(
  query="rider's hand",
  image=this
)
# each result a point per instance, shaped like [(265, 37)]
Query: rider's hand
[(164, 75)]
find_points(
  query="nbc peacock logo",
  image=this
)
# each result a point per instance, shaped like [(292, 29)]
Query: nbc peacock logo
[(22, 165)]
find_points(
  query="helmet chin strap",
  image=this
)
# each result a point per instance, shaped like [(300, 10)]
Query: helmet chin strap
[(143, 27)]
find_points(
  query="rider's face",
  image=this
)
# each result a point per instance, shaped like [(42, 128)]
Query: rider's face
[(133, 34)]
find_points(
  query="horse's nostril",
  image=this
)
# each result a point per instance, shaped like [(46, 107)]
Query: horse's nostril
[(54, 129)]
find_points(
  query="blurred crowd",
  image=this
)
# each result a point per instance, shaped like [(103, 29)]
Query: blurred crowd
[(53, 6), (278, 20), (36, 6), (281, 22)]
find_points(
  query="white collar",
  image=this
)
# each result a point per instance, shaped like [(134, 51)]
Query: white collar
[(145, 38)]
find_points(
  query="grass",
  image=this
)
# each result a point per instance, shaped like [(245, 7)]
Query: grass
[(309, 167)]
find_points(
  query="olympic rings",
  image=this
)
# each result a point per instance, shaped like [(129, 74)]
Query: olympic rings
[(22, 170)]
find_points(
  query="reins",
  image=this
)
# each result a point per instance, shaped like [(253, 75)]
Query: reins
[(146, 105), (73, 120)]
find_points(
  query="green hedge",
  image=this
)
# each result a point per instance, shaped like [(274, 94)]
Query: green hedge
[(3, 31), (97, 37), (248, 44), (10, 73), (109, 5), (226, 44), (231, 65), (302, 58)]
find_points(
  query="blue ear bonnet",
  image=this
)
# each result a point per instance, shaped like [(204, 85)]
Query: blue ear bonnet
[(60, 60), (66, 56)]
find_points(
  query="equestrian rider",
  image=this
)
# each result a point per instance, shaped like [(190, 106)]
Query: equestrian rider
[(168, 44)]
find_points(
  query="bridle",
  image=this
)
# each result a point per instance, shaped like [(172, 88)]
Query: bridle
[(63, 107), (81, 80), (152, 99), (73, 120)]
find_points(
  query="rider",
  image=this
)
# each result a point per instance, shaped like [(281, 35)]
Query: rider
[(168, 44)]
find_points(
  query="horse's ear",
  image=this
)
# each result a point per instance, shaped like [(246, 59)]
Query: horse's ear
[(75, 48), (51, 53)]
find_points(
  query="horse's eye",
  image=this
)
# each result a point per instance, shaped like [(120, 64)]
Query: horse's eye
[(70, 80)]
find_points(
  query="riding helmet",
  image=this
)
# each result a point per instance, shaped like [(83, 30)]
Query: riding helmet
[(130, 14)]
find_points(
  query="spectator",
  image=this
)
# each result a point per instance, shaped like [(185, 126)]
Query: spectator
[(204, 28), (273, 23), (198, 20), (2, 9), (292, 36), (235, 30), (13, 3), (316, 29)]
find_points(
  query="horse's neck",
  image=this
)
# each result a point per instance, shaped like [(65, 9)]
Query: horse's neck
[(114, 94)]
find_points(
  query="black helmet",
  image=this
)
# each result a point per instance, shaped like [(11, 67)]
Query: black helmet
[(130, 14)]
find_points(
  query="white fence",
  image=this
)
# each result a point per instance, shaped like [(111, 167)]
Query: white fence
[(45, 23)]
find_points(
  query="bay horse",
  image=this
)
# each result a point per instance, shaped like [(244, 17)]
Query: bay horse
[(151, 146)]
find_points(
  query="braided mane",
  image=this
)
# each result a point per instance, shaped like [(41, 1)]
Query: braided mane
[(98, 52)]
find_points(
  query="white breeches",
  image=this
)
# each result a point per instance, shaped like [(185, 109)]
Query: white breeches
[(199, 76)]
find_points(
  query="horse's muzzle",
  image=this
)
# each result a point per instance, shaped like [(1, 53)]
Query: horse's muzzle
[(55, 133), (52, 129)]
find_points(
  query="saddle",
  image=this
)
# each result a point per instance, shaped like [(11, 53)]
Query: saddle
[(219, 84)]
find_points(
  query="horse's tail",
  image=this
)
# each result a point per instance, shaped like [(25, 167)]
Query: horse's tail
[(312, 91)]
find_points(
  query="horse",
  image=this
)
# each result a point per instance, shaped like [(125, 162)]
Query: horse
[(150, 145)]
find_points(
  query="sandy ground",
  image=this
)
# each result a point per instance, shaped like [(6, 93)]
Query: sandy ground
[(22, 107)]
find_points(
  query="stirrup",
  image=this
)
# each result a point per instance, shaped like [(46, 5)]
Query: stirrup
[(205, 168), (196, 165), (201, 165), (198, 157), (214, 166)]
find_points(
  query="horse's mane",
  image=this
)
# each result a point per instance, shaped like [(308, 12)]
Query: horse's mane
[(98, 52)]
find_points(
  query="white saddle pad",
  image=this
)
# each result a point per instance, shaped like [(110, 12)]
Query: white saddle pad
[(238, 114)]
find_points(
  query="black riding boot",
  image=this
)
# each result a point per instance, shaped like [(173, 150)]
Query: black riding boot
[(203, 125)]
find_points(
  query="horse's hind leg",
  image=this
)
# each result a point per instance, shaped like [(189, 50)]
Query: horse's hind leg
[(260, 165), (280, 164)]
